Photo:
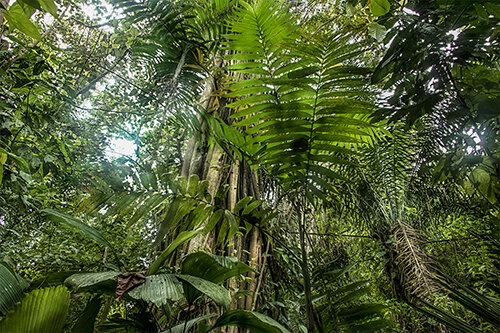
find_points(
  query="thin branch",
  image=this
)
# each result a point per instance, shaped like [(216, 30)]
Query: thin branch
[(93, 26), (113, 111), (110, 70), (454, 239), (89, 56), (261, 276), (332, 234), (102, 75)]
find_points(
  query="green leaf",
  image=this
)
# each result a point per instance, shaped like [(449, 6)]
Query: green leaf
[(220, 295), (183, 237), (234, 225), (86, 320), (21, 163), (245, 84), (240, 204), (361, 311), (198, 216), (213, 268), (32, 3), (51, 279), (254, 321), (245, 65), (379, 7), (445, 318), (168, 219), (185, 207), (370, 326), (49, 6), (249, 91), (145, 208), (186, 326), (43, 310), (214, 219), (11, 288), (377, 31), (248, 209), (85, 280), (481, 11), (82, 227), (17, 18), (493, 9), (158, 289), (224, 228), (484, 306), (303, 72), (192, 189)]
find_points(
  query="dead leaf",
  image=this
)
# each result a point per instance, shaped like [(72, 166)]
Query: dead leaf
[(127, 282)]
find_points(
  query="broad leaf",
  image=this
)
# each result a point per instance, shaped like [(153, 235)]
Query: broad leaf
[(52, 279), (85, 280), (17, 18), (183, 237), (218, 294), (212, 267), (379, 7), (49, 6), (43, 310), (11, 288), (377, 31), (86, 320), (158, 289), (254, 321)]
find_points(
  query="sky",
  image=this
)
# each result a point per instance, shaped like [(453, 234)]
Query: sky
[(121, 147), (118, 147)]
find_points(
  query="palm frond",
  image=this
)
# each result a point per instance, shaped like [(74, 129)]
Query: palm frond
[(341, 305), (12, 288), (485, 307), (43, 310), (298, 106), (89, 231), (414, 263)]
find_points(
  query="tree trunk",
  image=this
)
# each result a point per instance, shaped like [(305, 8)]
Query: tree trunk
[(219, 169)]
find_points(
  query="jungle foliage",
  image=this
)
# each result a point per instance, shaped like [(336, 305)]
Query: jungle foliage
[(298, 166)]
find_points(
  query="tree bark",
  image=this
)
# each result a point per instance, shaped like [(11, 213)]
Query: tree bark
[(218, 169)]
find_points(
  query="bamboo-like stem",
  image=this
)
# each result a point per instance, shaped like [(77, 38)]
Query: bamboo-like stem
[(305, 268), (261, 276)]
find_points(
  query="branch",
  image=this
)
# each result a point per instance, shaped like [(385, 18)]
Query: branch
[(99, 77), (332, 234)]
